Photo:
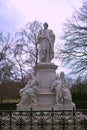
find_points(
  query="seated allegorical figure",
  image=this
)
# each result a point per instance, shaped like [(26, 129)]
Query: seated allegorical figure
[(56, 87), (29, 92), (62, 91)]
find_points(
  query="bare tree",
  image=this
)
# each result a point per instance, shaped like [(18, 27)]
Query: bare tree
[(6, 65), (28, 38), (74, 52), (26, 48)]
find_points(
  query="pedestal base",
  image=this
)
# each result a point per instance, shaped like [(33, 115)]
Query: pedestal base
[(46, 73), (39, 107), (70, 106)]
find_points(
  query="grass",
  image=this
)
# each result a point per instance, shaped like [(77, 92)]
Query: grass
[(9, 101)]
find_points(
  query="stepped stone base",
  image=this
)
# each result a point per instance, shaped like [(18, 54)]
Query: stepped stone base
[(70, 106), (43, 107), (38, 107)]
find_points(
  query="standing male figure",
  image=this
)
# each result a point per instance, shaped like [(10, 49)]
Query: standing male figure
[(46, 40)]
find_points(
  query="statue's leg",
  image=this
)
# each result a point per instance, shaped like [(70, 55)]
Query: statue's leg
[(56, 98), (34, 99)]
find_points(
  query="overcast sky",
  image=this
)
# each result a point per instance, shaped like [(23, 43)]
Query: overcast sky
[(14, 14)]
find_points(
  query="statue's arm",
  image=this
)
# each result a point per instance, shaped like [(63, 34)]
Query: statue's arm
[(41, 35)]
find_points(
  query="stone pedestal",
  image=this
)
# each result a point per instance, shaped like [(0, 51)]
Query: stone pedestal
[(46, 99), (46, 73), (70, 106)]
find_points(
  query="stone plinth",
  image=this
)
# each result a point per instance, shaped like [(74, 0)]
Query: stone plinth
[(46, 106), (46, 73), (69, 106), (46, 97)]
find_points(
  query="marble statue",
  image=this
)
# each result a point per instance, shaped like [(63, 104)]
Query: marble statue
[(29, 92), (46, 39), (56, 87), (65, 89), (44, 92), (62, 91)]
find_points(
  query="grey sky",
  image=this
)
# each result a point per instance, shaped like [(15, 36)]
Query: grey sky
[(16, 13)]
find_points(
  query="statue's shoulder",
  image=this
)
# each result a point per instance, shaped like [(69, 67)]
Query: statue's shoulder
[(40, 31), (50, 31)]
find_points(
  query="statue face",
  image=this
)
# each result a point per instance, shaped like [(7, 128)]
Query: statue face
[(45, 25)]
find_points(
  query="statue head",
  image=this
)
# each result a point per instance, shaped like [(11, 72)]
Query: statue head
[(45, 25)]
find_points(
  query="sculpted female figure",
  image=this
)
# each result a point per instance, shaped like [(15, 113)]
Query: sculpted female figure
[(29, 92), (46, 40), (66, 95), (62, 91), (56, 87)]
